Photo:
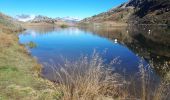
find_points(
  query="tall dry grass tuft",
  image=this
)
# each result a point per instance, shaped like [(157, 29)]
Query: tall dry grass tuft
[(87, 79), (147, 87), (163, 91)]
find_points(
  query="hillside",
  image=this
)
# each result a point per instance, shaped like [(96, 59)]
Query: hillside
[(115, 16), (9, 24), (151, 11), (136, 12), (18, 70)]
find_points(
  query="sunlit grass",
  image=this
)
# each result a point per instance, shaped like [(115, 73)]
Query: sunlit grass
[(19, 72), (86, 79), (89, 78)]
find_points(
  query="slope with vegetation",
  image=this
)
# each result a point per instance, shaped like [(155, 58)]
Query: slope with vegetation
[(135, 12), (9, 24), (151, 11), (18, 71)]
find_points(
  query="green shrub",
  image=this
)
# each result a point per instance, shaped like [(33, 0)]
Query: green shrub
[(64, 26), (31, 45)]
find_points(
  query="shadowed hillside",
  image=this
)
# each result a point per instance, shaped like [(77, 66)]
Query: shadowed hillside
[(135, 12)]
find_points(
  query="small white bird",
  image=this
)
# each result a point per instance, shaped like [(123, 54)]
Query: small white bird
[(115, 40), (149, 32)]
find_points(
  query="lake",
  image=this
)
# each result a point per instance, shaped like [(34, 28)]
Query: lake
[(130, 46)]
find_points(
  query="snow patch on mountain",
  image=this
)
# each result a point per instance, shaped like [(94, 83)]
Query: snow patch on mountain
[(40, 18), (25, 18)]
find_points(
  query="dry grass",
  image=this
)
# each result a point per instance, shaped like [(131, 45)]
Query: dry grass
[(87, 79), (6, 40), (18, 71), (91, 79), (144, 87)]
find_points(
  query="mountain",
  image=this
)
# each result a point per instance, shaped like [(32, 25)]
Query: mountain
[(116, 15), (28, 20), (135, 12), (40, 18), (24, 18), (151, 11), (68, 19)]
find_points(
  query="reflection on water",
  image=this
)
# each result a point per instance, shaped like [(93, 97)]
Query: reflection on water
[(150, 42), (129, 44), (130, 47)]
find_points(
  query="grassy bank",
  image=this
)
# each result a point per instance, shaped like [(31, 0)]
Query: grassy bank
[(19, 72)]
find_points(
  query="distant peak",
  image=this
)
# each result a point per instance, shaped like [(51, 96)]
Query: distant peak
[(24, 17)]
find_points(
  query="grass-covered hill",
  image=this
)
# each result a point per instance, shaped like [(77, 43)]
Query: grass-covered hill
[(18, 70), (9, 24)]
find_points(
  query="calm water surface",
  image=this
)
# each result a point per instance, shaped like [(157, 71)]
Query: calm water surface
[(129, 46)]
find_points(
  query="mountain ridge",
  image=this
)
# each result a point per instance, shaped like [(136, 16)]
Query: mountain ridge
[(135, 12), (42, 18)]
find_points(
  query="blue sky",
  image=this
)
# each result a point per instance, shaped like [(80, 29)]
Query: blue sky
[(58, 8)]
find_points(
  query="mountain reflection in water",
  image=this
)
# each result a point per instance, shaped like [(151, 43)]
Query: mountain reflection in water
[(150, 42)]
